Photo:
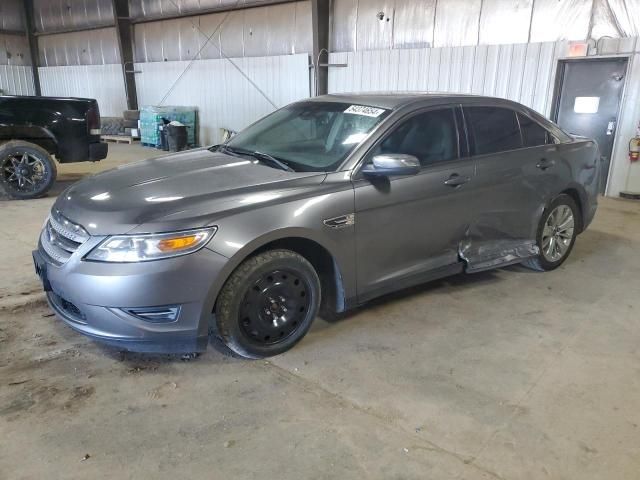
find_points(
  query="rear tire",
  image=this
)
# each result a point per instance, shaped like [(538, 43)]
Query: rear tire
[(556, 235), (268, 304), (26, 170)]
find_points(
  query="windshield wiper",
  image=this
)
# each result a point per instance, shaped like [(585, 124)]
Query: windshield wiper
[(265, 157), (262, 157)]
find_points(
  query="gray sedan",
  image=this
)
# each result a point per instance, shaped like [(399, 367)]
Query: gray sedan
[(316, 208)]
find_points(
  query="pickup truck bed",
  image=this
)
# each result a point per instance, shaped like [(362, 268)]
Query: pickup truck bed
[(33, 129), (68, 128)]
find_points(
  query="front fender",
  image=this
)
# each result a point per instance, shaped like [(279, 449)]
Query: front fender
[(346, 285), (239, 236)]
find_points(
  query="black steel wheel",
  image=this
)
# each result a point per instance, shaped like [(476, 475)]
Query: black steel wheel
[(268, 304), (26, 170), (275, 306)]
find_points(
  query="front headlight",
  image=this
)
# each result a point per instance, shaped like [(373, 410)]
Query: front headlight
[(143, 248)]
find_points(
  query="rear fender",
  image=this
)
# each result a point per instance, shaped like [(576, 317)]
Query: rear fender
[(41, 136)]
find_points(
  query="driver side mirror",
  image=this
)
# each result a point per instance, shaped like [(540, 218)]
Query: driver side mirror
[(392, 164)]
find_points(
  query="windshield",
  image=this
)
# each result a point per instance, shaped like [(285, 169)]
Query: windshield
[(310, 136)]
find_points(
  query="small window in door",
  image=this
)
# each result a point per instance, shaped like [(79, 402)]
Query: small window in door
[(494, 129), (432, 137), (586, 104), (533, 134)]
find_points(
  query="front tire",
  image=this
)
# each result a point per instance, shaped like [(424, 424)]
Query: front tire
[(557, 231), (26, 170), (268, 304)]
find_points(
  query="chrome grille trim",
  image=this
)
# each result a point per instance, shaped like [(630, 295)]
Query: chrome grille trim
[(67, 245), (55, 254), (67, 229), (60, 238)]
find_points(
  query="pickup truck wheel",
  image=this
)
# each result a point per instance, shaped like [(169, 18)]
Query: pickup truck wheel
[(268, 304), (556, 235), (26, 170)]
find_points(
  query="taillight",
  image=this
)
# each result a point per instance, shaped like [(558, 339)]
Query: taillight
[(93, 120)]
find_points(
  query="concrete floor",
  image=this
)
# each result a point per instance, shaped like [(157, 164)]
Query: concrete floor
[(509, 374)]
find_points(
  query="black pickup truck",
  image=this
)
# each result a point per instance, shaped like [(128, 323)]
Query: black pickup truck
[(32, 129)]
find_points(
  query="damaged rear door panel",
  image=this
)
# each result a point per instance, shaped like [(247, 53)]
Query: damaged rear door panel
[(519, 170)]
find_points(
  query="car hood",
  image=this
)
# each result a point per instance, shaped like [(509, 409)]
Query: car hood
[(185, 190)]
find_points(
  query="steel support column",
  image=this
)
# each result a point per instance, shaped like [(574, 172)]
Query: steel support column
[(124, 31), (30, 29), (320, 25)]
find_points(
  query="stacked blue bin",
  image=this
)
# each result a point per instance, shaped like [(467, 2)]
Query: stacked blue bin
[(151, 117)]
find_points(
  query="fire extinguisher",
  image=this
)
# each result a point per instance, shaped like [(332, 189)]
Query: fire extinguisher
[(634, 146), (634, 149)]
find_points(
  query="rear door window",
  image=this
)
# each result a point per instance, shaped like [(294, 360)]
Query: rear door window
[(533, 134), (493, 129)]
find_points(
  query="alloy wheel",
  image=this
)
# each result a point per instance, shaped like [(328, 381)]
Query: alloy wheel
[(557, 233), (24, 172)]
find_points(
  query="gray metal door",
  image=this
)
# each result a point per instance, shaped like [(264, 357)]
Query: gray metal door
[(590, 93)]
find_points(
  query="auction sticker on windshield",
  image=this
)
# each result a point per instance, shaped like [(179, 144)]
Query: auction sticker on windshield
[(366, 111)]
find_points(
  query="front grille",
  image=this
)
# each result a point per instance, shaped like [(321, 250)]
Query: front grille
[(60, 238), (70, 310)]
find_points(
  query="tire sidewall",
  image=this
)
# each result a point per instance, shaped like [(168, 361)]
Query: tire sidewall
[(228, 311), (560, 200), (17, 148)]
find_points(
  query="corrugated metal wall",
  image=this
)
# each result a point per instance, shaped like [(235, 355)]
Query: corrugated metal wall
[(162, 8), (16, 77), (11, 15), (102, 82), (57, 15), (520, 72), (270, 30), (381, 24), (87, 63), (16, 80), (83, 64), (225, 99), (14, 50), (95, 47)]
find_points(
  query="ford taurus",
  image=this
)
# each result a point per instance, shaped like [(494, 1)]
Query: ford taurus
[(314, 209)]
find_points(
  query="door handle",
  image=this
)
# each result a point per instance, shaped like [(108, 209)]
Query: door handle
[(456, 180), (611, 126), (543, 164)]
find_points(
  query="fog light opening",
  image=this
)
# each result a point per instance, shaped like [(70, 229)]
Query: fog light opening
[(156, 314)]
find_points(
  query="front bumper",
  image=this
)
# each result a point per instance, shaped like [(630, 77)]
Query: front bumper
[(93, 299)]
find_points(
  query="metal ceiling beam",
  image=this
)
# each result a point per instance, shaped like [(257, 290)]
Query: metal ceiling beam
[(30, 26), (75, 29), (157, 18), (205, 11), (21, 33), (124, 32), (320, 25)]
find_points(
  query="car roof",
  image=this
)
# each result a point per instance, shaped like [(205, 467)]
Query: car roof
[(395, 100)]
